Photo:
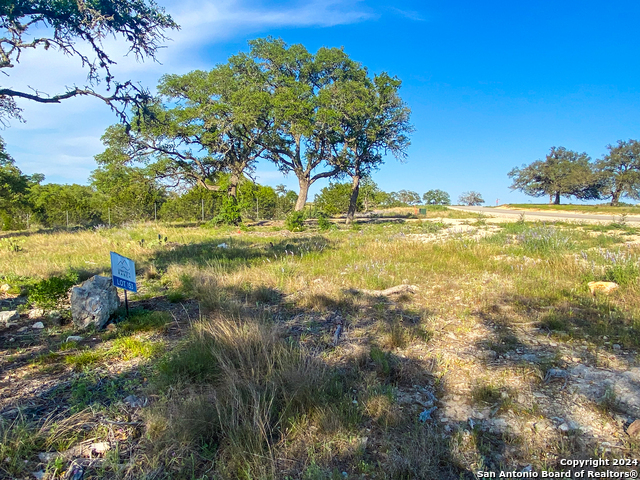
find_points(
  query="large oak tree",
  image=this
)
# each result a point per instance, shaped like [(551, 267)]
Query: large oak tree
[(619, 171), (562, 173), (367, 120), (302, 139)]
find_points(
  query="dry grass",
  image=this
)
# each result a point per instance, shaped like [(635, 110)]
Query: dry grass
[(256, 388)]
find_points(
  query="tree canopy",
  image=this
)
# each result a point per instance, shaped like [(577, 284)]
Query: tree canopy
[(470, 198), (70, 27), (563, 173), (368, 119), (299, 83), (436, 197), (619, 171)]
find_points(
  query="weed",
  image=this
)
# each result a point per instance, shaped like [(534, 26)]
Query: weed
[(295, 221), (324, 223), (176, 296), (47, 294), (546, 241), (84, 358), (141, 320), (132, 347)]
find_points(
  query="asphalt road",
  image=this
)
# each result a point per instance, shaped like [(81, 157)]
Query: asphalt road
[(541, 215)]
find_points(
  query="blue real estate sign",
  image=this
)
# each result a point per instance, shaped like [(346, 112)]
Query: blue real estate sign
[(123, 272)]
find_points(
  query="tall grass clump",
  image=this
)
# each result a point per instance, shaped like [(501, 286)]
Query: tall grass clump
[(621, 267), (545, 240), (245, 385)]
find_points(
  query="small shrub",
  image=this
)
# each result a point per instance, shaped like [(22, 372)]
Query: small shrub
[(295, 221), (47, 294), (175, 297), (324, 223), (229, 213), (11, 245)]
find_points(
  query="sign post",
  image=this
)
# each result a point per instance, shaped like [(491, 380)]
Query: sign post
[(123, 275)]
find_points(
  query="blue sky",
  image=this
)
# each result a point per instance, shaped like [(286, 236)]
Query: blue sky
[(491, 85)]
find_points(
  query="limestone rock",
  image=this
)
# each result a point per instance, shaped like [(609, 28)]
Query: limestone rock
[(36, 313), (93, 302), (38, 326), (6, 317), (633, 430), (604, 287)]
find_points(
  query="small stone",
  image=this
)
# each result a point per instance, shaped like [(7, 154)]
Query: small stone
[(12, 339), (55, 316), (5, 287), (38, 326), (500, 423), (46, 457), (36, 313), (6, 317), (74, 338), (633, 430), (568, 427), (23, 329), (135, 402), (111, 327), (38, 475), (617, 346)]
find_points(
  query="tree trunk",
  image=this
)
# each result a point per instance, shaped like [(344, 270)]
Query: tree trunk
[(304, 183), (615, 198), (233, 186), (557, 200), (550, 198), (353, 201)]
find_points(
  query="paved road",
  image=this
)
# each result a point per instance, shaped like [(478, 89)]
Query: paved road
[(542, 215)]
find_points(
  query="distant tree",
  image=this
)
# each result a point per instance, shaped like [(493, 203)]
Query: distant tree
[(562, 173), (194, 204), (76, 28), (436, 197), (127, 193), (470, 198), (334, 199), (370, 194), (619, 171), (203, 125), (391, 200), (286, 201), (53, 204), (15, 203), (409, 197)]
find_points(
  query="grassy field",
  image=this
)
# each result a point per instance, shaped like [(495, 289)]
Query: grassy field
[(604, 208), (257, 353)]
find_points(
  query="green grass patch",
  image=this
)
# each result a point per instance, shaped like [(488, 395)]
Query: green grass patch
[(132, 347), (142, 320), (85, 358)]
